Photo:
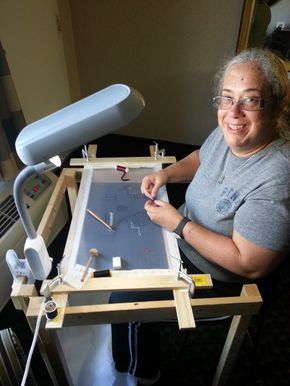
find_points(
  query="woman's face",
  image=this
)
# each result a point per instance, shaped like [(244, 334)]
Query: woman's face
[(246, 132)]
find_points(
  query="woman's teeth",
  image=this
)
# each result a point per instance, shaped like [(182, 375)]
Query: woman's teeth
[(236, 127)]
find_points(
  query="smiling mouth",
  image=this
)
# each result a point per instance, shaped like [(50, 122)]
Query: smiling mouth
[(233, 127)]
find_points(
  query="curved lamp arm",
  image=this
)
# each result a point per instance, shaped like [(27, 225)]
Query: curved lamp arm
[(18, 193), (35, 250)]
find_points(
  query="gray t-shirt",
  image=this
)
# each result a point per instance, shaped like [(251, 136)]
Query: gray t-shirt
[(250, 195)]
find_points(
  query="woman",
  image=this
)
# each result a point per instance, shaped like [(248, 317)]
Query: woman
[(238, 200), (235, 221)]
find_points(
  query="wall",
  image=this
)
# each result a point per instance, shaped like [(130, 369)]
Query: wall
[(168, 50), (30, 36)]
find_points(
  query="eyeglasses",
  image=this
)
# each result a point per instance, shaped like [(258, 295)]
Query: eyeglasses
[(247, 103)]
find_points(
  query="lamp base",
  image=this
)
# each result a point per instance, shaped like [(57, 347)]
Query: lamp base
[(37, 257)]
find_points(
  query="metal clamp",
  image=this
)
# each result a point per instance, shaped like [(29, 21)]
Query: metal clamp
[(53, 283), (191, 284), (85, 153), (158, 152)]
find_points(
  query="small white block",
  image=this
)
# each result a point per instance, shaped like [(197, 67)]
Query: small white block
[(117, 263)]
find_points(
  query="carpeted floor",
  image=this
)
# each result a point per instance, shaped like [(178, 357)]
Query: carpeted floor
[(190, 357)]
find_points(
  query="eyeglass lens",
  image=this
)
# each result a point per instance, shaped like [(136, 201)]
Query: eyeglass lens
[(247, 103)]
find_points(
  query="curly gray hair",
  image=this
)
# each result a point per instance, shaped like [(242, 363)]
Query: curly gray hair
[(274, 70)]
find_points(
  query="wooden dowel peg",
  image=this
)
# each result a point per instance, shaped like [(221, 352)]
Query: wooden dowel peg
[(93, 253)]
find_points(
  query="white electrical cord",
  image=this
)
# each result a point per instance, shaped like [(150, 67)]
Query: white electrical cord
[(37, 326)]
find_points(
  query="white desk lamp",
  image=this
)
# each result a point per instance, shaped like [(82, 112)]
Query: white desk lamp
[(39, 143)]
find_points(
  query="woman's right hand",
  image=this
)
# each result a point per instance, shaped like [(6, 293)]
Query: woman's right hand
[(153, 182)]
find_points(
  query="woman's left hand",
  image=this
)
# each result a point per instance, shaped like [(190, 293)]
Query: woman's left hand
[(163, 214)]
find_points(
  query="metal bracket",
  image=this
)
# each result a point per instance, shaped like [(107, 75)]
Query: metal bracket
[(191, 284), (53, 283), (158, 153)]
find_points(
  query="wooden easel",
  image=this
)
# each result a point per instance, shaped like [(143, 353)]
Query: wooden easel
[(182, 308)]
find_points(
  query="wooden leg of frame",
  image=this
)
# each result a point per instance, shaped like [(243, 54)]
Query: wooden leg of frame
[(235, 337)]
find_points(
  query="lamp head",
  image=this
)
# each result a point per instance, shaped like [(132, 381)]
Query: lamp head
[(75, 125), (79, 123)]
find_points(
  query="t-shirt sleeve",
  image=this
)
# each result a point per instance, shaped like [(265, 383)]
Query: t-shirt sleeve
[(264, 217), (212, 138)]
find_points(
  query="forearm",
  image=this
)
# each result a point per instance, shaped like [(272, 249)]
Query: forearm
[(213, 246), (236, 254), (183, 170)]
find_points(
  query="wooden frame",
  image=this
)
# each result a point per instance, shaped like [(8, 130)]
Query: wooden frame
[(246, 21), (25, 297)]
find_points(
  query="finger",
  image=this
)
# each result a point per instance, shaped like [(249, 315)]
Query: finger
[(147, 194), (160, 203), (154, 191), (148, 204), (146, 190)]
